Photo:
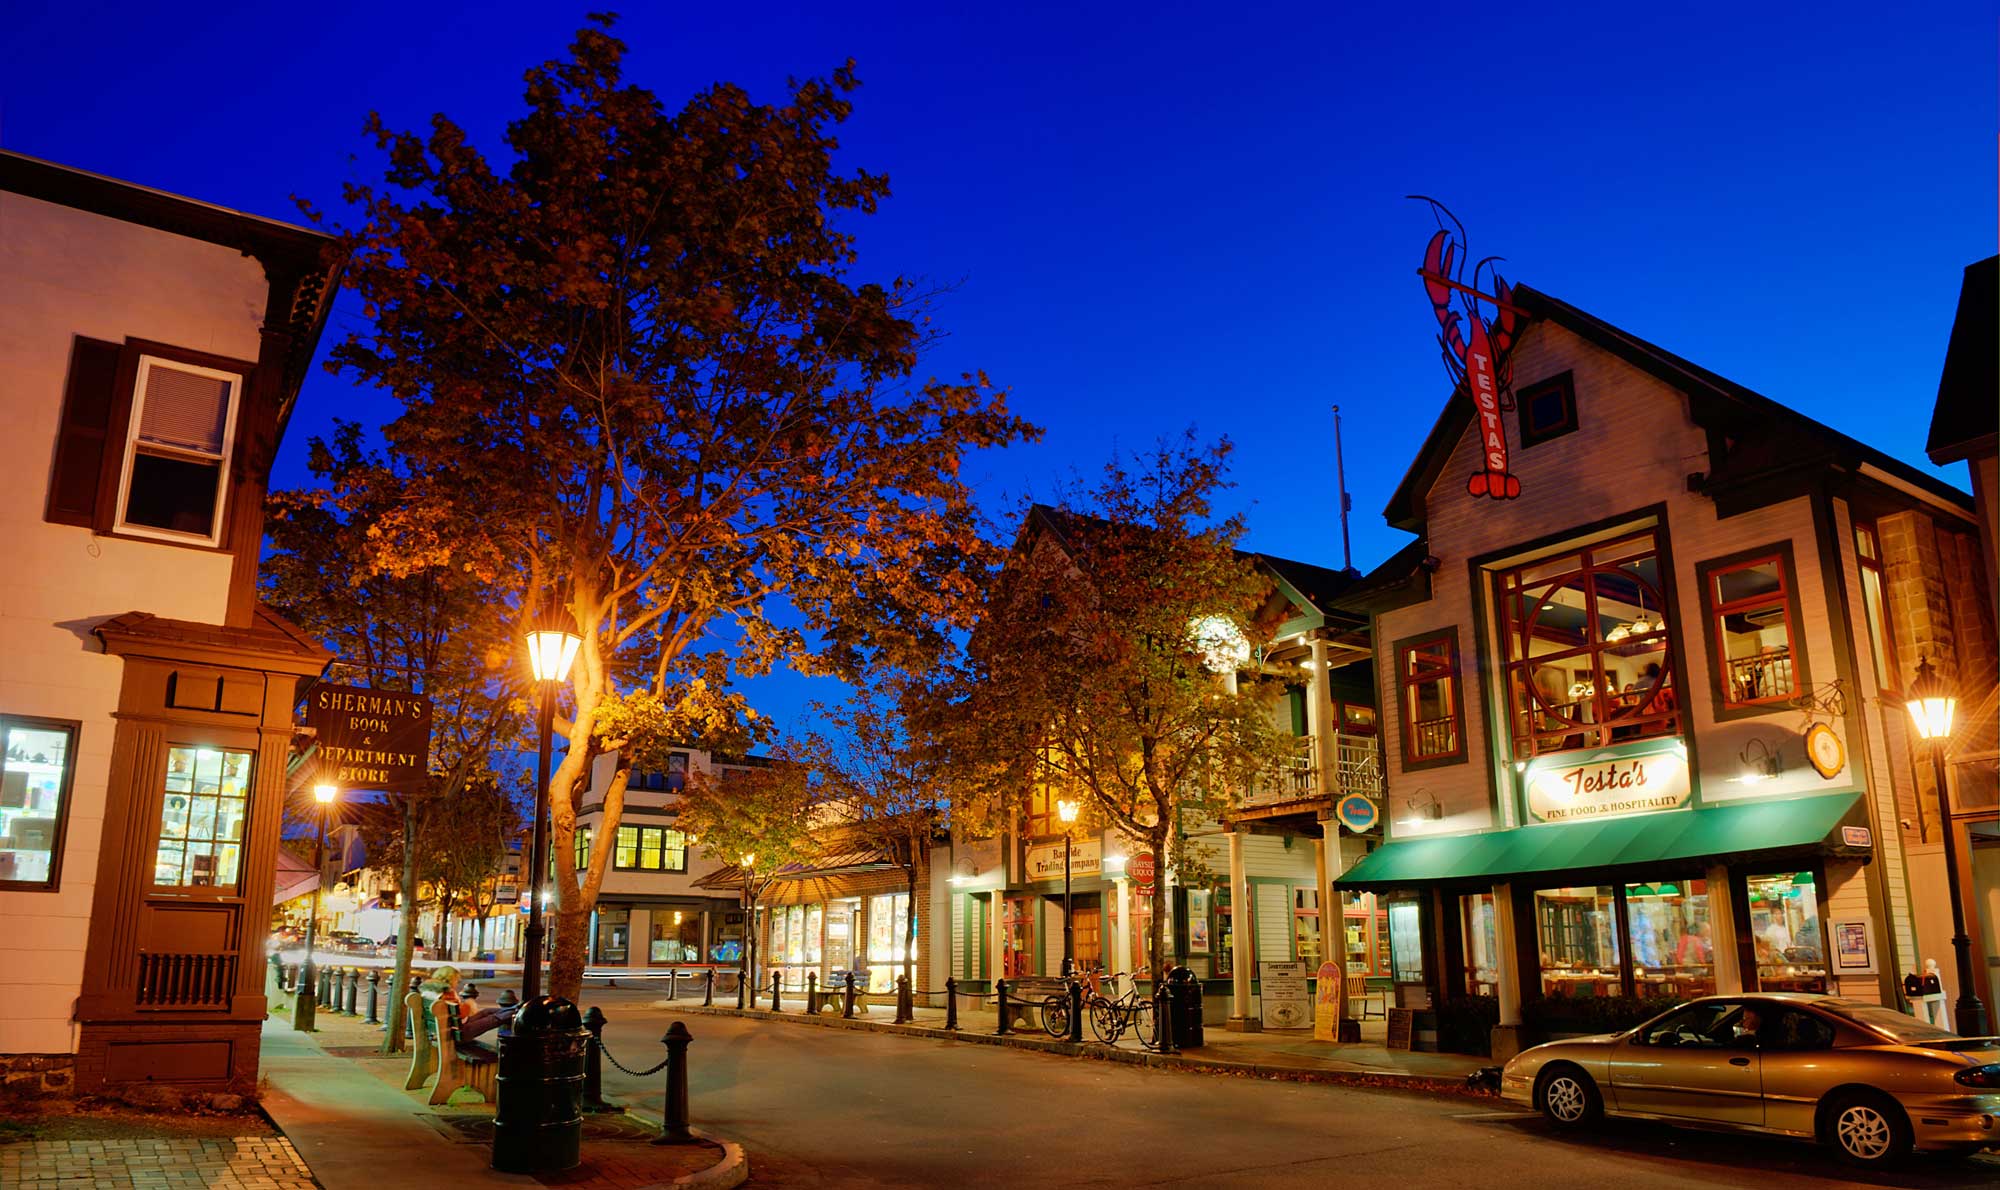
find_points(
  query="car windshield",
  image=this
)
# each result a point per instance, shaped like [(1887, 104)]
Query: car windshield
[(1906, 1030)]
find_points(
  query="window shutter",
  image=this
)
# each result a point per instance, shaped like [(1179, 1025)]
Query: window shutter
[(184, 409), (82, 440)]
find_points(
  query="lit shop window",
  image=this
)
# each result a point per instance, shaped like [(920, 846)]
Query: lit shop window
[(650, 849), (1673, 942), (1586, 648), (888, 938), (1785, 931), (1482, 946), (34, 799), (1750, 630), (202, 818), (1578, 931)]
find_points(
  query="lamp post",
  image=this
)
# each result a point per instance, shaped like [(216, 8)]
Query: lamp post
[(306, 1003), (1066, 810), (745, 984), (551, 651), (1931, 705)]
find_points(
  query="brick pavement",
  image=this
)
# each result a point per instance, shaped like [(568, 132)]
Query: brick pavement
[(221, 1163)]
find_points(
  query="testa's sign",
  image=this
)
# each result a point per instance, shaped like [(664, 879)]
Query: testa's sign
[(1477, 353), (1576, 787), (371, 739)]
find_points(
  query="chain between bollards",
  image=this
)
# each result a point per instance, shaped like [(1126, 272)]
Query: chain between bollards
[(674, 1112)]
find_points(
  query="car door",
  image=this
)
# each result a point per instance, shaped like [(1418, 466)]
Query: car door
[(1698, 1067), (1796, 1068)]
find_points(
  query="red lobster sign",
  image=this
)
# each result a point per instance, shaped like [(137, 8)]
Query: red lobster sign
[(1477, 355)]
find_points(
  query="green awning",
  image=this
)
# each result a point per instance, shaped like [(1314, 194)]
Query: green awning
[(1712, 832)]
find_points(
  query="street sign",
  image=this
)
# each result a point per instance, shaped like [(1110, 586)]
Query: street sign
[(371, 739), (1358, 812), (1140, 869)]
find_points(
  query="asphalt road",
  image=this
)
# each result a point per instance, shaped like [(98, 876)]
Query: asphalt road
[(826, 1108)]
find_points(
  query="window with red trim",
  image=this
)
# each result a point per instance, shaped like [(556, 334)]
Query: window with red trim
[(1750, 610), (1428, 676)]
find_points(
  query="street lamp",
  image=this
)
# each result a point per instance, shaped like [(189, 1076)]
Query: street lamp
[(1931, 705), (551, 650), (1066, 810), (306, 1003), (747, 864)]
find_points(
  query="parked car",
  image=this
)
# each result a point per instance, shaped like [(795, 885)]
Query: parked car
[(387, 948), (1866, 1081), (346, 942)]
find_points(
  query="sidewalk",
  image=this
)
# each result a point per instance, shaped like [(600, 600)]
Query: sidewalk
[(344, 1108), (1288, 1055)]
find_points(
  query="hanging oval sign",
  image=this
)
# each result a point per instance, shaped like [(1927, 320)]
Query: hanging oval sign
[(1358, 813)]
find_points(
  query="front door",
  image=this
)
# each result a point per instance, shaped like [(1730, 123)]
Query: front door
[(1699, 1063), (1017, 927)]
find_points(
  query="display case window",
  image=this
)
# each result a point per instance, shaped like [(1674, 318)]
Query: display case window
[(35, 780), (1366, 934), (202, 818), (1406, 941), (1785, 931)]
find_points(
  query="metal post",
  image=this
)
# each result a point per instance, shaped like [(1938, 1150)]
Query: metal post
[(307, 1000), (374, 997), (950, 1003), (1075, 1012), (1069, 913), (847, 998), (1000, 991), (812, 993), (1163, 1016), (353, 990), (674, 1116), (905, 1009), (593, 1061), (1968, 1014), (776, 976), (673, 984), (538, 853), (278, 970), (708, 996)]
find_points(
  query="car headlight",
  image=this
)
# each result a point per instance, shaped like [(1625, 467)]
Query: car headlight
[(1985, 1077)]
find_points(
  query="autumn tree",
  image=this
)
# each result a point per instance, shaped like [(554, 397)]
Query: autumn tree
[(882, 777), (641, 382), (432, 630), (1104, 668), (759, 819), (464, 846)]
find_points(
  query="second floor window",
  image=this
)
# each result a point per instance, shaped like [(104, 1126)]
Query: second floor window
[(650, 849), (1585, 646), (1427, 677), (180, 433), (1875, 607), (1749, 606)]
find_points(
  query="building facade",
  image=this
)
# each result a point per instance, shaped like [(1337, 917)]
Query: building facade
[(153, 348), (1643, 730)]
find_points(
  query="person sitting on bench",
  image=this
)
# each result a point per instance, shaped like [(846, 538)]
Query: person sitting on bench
[(476, 1020)]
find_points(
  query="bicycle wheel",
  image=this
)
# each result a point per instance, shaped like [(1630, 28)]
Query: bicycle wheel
[(1107, 1024), (1055, 1017), (1146, 1022)]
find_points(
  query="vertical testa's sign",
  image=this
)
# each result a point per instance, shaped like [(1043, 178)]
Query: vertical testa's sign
[(1477, 346), (371, 739)]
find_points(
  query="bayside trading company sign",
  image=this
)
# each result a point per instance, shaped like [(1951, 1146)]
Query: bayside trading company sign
[(371, 739), (1045, 860), (1608, 783)]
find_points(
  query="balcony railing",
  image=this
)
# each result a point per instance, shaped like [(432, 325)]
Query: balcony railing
[(1356, 769)]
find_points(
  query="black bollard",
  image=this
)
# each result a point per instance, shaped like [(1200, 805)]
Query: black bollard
[(777, 978), (1000, 991), (950, 1003), (812, 993), (1075, 1012), (847, 998), (593, 1061), (673, 984), (674, 1116), (905, 1010), (277, 971), (742, 986), (374, 997), (1163, 1017), (708, 997), (353, 991)]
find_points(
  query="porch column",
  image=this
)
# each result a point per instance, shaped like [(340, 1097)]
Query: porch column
[(1121, 935), (998, 944), (1722, 933), (1506, 960), (1320, 722), (1240, 1019), (1333, 921)]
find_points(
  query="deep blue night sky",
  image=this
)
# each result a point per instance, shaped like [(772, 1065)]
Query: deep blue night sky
[(1172, 217)]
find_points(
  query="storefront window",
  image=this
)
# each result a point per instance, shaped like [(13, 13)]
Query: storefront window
[(1578, 931), (613, 928), (1673, 947), (676, 936), (1365, 934), (1482, 951), (1305, 926), (1017, 927), (1785, 929), (1586, 648), (888, 938), (202, 818), (1406, 941), (40, 758), (728, 944)]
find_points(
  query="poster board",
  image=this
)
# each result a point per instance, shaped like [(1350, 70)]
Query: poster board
[(1852, 954), (1402, 1027), (1285, 999), (1326, 1005)]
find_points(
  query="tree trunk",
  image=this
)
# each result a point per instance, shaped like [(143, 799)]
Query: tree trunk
[(479, 931), (1156, 957), (444, 924), (406, 930), (572, 953)]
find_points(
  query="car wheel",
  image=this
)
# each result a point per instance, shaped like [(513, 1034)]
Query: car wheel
[(1568, 1097), (1866, 1129)]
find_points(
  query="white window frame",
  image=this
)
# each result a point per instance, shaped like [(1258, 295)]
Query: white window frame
[(137, 417)]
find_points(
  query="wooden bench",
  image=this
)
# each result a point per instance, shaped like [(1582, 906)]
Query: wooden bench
[(461, 1063), (423, 1042), (833, 993), (1360, 997), (1028, 998)]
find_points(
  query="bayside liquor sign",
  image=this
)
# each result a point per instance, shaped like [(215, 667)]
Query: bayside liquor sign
[(1608, 784), (371, 739)]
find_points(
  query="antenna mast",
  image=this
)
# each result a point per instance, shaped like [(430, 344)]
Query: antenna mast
[(1346, 504)]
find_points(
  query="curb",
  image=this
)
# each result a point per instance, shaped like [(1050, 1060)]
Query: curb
[(1385, 1079), (732, 1171)]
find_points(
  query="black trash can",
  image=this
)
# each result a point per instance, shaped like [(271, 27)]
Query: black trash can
[(538, 1111), (1184, 991)]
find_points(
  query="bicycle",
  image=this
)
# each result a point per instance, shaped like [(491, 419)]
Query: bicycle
[(1111, 1017)]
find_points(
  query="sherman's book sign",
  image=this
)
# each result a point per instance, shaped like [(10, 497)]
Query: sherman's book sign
[(371, 739), (1285, 998)]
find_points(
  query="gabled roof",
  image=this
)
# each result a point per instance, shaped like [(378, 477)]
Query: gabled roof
[(1968, 400), (1771, 432)]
